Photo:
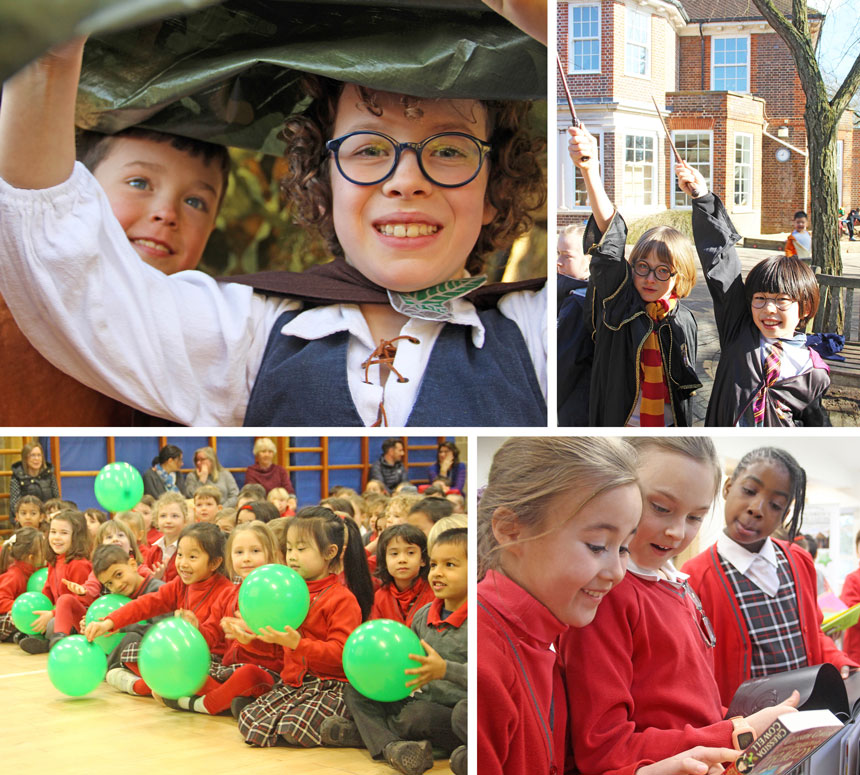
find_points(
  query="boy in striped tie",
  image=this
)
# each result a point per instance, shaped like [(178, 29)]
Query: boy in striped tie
[(766, 376)]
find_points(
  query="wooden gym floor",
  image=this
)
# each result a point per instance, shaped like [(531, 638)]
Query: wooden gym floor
[(107, 732)]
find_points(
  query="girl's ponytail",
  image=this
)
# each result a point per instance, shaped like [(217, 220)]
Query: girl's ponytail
[(355, 568)]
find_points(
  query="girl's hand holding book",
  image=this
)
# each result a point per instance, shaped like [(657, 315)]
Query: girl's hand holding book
[(764, 718), (583, 145), (697, 761)]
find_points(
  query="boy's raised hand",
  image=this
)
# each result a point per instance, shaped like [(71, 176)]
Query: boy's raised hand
[(583, 145), (690, 180), (37, 119), (433, 667)]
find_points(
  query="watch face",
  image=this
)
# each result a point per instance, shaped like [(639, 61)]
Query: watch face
[(783, 154)]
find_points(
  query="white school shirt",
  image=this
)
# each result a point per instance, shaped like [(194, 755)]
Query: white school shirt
[(184, 346), (759, 567)]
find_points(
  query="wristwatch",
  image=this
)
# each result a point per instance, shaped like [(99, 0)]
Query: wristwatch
[(743, 734)]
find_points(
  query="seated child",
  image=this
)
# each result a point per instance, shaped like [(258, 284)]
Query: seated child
[(199, 584), (207, 503), (20, 557), (280, 498), (644, 367), (799, 242), (250, 493), (428, 511), (31, 512), (404, 733), (133, 520), (402, 567), (226, 520), (95, 518), (67, 557), (171, 515), (766, 376)]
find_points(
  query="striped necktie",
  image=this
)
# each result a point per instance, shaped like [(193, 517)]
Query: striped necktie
[(772, 362)]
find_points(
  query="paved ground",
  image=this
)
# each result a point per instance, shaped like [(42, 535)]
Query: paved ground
[(843, 405)]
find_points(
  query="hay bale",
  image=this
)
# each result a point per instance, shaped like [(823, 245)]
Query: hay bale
[(682, 220)]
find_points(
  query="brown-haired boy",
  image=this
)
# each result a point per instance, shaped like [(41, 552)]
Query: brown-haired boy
[(207, 503), (404, 733)]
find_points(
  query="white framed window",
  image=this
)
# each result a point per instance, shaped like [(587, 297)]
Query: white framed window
[(730, 64), (637, 49), (743, 173), (639, 183), (571, 187), (583, 53), (840, 150), (696, 148)]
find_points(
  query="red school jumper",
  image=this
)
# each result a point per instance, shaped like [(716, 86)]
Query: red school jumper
[(199, 598), (390, 603), (639, 678), (77, 570), (13, 583), (850, 596), (522, 707), (333, 614), (733, 653)]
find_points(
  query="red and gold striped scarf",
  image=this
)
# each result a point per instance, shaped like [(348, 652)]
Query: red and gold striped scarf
[(655, 388)]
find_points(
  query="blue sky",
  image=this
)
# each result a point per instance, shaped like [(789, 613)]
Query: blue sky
[(840, 42)]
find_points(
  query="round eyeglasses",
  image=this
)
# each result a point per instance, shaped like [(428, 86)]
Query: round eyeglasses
[(449, 159), (781, 303), (661, 272)]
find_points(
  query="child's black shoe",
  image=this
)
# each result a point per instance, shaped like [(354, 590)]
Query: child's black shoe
[(340, 732), (459, 761), (411, 757), (239, 704), (34, 645)]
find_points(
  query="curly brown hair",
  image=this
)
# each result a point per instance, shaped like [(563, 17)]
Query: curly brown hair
[(515, 185)]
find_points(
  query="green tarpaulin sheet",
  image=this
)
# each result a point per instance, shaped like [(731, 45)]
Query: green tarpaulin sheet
[(227, 72)]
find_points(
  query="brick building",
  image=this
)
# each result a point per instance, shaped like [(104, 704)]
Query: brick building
[(728, 89)]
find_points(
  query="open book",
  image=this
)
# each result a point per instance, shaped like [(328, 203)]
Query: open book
[(790, 740)]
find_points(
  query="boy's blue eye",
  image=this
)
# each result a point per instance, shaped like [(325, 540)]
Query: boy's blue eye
[(197, 203), (139, 183)]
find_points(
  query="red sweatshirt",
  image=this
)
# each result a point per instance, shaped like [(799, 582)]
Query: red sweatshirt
[(77, 570), (522, 707), (640, 680), (154, 557), (850, 596), (257, 652), (198, 597), (13, 583), (334, 613), (733, 652), (390, 603)]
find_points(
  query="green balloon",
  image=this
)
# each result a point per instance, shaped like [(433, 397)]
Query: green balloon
[(118, 487), (174, 659), (75, 666), (102, 608), (375, 655), (274, 596), (24, 610), (37, 581)]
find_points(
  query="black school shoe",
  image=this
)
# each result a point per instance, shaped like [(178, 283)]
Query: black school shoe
[(459, 761), (33, 645), (340, 732), (411, 757)]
